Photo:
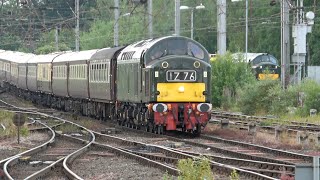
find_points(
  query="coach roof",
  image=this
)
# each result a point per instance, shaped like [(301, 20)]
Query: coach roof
[(48, 58), (75, 56)]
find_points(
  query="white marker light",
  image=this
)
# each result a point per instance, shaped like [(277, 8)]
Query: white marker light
[(156, 74), (205, 74), (181, 89)]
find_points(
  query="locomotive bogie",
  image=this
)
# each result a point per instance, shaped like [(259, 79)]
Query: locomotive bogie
[(184, 115)]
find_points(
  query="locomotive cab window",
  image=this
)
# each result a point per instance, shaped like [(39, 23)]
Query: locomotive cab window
[(178, 47), (195, 50)]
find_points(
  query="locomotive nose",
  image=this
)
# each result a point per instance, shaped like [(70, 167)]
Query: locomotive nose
[(181, 80)]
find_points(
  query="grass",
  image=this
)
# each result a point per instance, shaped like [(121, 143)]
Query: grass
[(313, 119), (67, 128), (11, 129), (195, 169)]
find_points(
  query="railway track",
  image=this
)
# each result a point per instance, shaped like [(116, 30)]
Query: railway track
[(31, 166), (244, 121), (236, 159), (171, 156), (41, 170), (246, 164)]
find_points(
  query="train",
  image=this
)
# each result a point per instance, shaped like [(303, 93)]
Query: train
[(263, 65), (158, 85)]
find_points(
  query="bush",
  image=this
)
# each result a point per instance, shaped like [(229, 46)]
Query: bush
[(195, 169), (311, 98), (264, 97), (228, 74)]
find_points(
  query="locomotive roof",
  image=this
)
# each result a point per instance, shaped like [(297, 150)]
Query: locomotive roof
[(140, 46), (106, 53), (47, 58), (251, 56), (136, 49), (75, 56)]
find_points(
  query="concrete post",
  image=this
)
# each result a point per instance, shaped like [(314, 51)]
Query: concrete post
[(224, 123), (252, 130)]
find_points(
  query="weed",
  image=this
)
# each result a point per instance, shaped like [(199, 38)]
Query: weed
[(167, 176), (234, 175), (195, 169), (24, 131), (68, 128)]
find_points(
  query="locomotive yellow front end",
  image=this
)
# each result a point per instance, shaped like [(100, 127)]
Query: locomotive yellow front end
[(180, 92)]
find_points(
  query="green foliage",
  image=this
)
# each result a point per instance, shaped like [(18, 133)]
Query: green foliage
[(9, 41), (99, 35), (24, 131), (312, 96), (195, 169), (258, 97), (47, 42), (228, 74), (68, 128), (11, 130), (49, 48), (234, 175), (264, 27), (167, 176), (267, 96)]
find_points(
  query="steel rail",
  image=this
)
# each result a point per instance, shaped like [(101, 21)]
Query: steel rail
[(71, 156), (260, 148), (181, 155), (7, 161), (283, 168)]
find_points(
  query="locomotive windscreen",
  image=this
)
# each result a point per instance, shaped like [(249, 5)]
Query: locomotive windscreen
[(176, 47), (265, 58)]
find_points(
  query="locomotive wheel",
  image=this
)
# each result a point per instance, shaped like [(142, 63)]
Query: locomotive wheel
[(150, 127), (183, 129), (197, 132), (146, 128), (160, 129)]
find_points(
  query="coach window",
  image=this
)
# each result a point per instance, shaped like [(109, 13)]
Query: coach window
[(44, 72), (76, 72), (91, 73)]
